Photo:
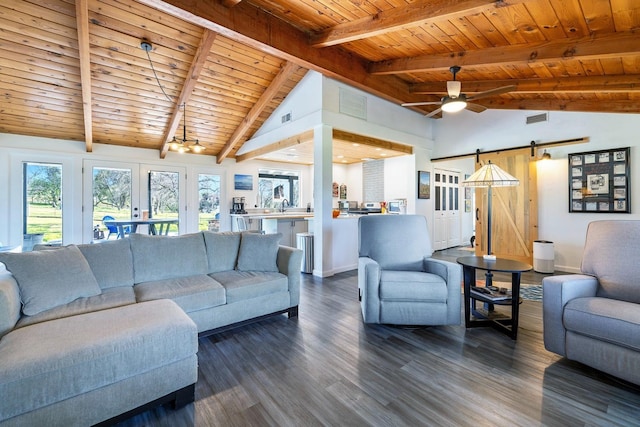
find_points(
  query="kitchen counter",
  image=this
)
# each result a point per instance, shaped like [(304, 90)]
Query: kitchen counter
[(275, 215), (289, 223)]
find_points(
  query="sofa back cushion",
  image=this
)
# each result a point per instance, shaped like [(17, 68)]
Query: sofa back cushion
[(166, 257), (9, 301), (111, 262), (396, 242), (222, 250), (608, 246), (48, 279), (258, 252)]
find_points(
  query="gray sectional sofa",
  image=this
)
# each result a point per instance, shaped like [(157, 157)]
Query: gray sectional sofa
[(95, 333)]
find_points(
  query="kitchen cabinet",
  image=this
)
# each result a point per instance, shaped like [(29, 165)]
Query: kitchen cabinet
[(245, 223), (289, 228)]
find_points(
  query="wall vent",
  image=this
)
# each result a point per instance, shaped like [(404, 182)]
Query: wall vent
[(537, 118), (353, 104), (286, 117)]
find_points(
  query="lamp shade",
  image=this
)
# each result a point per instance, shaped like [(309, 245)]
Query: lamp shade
[(490, 175)]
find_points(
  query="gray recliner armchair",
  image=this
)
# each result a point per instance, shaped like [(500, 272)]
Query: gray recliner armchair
[(594, 317), (398, 281)]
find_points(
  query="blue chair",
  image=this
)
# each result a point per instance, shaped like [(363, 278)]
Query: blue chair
[(113, 228)]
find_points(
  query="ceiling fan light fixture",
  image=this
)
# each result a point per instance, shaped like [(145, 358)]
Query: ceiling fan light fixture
[(453, 105)]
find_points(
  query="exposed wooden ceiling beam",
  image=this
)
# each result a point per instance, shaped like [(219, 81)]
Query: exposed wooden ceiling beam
[(372, 142), (585, 48), (82, 24), (589, 84), (617, 106), (292, 141), (199, 59), (421, 12), (230, 3), (258, 29), (281, 78)]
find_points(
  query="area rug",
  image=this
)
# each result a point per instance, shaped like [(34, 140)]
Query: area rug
[(528, 291)]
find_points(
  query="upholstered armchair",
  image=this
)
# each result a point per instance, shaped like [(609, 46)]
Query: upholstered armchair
[(594, 317), (398, 281)]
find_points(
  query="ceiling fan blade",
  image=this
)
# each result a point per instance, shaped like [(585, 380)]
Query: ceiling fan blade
[(414, 104), (492, 92), (476, 108), (453, 88), (434, 112)]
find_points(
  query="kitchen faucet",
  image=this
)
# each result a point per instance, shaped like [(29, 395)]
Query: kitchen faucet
[(282, 206)]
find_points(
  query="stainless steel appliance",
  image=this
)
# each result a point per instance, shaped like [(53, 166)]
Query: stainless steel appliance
[(343, 207), (397, 207), (367, 208), (237, 205)]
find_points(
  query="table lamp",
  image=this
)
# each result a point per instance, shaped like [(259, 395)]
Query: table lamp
[(490, 175)]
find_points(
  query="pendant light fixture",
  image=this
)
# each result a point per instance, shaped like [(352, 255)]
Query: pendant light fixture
[(180, 145), (183, 145)]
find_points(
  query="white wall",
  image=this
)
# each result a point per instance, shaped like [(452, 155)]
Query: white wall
[(494, 129)]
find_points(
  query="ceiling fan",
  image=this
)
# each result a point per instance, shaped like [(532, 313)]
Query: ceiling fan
[(455, 101)]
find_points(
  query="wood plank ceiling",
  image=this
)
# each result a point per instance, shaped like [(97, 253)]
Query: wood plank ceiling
[(76, 70)]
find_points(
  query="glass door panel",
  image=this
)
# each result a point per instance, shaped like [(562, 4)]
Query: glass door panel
[(208, 202), (42, 199), (165, 199), (110, 193)]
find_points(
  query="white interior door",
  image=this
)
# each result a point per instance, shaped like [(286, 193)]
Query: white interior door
[(439, 213), (446, 224)]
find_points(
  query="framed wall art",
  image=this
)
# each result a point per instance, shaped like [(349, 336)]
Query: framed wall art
[(242, 182), (599, 181), (424, 185)]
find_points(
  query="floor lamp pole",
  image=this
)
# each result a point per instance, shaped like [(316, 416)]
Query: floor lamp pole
[(488, 256), (490, 198)]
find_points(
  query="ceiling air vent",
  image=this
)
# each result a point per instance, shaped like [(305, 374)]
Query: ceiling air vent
[(537, 118), (286, 117)]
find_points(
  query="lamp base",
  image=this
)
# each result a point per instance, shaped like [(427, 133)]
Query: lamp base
[(489, 257)]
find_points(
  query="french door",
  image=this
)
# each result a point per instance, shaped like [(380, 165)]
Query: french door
[(129, 191), (446, 224)]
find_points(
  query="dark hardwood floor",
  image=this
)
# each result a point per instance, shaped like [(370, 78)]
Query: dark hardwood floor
[(327, 367)]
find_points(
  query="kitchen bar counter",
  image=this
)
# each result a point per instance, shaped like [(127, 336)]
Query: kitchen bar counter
[(275, 215)]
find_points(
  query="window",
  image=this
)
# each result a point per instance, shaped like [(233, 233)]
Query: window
[(276, 186), (42, 187)]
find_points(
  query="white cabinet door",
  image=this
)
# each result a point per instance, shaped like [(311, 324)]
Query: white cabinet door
[(289, 228)]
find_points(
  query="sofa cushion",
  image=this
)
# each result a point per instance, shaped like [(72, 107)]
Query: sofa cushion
[(111, 262), (258, 252), (109, 298), (606, 256), (222, 250), (166, 257), (74, 355), (9, 301), (191, 293), (412, 286), (243, 285), (48, 279), (604, 319)]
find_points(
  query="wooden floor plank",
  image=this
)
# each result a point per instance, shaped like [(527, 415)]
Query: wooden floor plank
[(327, 367)]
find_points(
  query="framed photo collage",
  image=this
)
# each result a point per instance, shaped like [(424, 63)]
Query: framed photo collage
[(599, 181)]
